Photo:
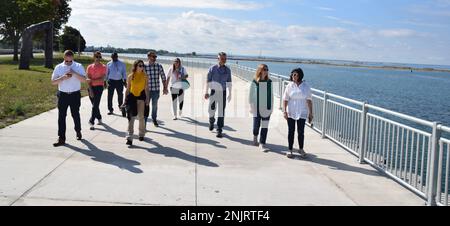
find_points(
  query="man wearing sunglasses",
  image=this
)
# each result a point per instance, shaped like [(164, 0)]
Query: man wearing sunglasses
[(68, 76), (155, 71), (116, 77)]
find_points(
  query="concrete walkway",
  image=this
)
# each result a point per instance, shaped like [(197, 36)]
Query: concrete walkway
[(182, 163)]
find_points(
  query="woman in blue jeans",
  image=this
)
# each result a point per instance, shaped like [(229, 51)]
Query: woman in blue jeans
[(261, 105), (298, 107)]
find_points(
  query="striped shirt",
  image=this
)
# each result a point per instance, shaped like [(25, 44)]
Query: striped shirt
[(154, 72)]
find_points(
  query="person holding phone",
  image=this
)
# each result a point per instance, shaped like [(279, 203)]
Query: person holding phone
[(68, 76), (96, 74), (297, 108)]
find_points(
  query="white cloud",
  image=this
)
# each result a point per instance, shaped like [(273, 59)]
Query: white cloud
[(325, 8), (397, 33), (191, 4), (342, 21), (205, 33)]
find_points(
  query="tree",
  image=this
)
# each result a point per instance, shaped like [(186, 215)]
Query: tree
[(62, 14), (69, 39), (16, 15)]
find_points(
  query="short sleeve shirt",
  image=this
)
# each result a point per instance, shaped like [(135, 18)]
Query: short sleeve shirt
[(95, 72), (297, 96), (72, 84)]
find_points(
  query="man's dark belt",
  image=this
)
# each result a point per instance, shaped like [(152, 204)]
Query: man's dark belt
[(69, 93)]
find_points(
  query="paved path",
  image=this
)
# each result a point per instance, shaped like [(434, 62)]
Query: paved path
[(182, 163)]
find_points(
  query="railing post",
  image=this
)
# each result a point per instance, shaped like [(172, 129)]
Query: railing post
[(434, 164), (281, 85), (324, 115), (362, 133)]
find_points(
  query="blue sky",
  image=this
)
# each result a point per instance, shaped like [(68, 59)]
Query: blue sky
[(405, 31)]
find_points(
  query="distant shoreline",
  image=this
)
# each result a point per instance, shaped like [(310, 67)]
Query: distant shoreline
[(342, 65), (311, 62)]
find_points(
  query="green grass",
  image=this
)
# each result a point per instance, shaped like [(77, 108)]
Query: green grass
[(26, 93)]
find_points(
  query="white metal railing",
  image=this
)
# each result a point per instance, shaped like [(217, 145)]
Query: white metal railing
[(410, 150), (396, 144), (443, 169)]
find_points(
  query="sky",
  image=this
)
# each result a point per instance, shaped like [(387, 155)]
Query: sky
[(399, 31)]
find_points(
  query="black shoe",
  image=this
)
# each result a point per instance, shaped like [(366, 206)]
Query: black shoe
[(91, 125), (141, 138), (79, 136), (59, 142), (129, 142), (110, 113), (156, 124), (211, 127), (124, 113), (219, 135)]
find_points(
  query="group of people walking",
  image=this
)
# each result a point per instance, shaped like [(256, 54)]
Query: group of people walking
[(143, 88)]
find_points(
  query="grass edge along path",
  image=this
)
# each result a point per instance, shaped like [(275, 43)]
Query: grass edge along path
[(27, 93)]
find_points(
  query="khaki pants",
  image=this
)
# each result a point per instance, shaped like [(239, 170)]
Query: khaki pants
[(140, 116)]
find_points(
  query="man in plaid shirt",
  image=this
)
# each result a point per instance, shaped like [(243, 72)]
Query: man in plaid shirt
[(155, 71)]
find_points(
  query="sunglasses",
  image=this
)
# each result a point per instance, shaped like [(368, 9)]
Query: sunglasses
[(98, 57), (66, 61), (153, 57), (265, 69), (140, 65)]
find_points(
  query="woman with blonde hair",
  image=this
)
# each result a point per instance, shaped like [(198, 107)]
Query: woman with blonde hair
[(261, 105), (137, 97)]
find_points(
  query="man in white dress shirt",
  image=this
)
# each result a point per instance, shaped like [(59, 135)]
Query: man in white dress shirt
[(68, 75)]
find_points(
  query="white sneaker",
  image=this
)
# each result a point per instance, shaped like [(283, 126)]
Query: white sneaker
[(180, 113), (175, 118), (263, 148)]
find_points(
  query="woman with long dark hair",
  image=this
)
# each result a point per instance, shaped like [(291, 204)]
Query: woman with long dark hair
[(96, 73), (297, 107), (137, 98)]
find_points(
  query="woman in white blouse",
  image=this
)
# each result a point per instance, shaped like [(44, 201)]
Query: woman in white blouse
[(297, 103), (176, 75)]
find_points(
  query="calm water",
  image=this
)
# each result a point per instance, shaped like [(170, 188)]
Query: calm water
[(425, 95)]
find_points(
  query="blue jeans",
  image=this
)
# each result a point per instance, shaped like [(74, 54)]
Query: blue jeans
[(264, 128), (154, 97), (217, 103)]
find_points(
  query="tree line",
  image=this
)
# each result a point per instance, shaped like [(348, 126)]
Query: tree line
[(16, 15), (110, 49)]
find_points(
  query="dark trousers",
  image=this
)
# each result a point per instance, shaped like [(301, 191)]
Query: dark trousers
[(154, 98), (65, 101), (264, 128), (217, 101), (301, 132), (177, 94), (115, 85), (97, 91)]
